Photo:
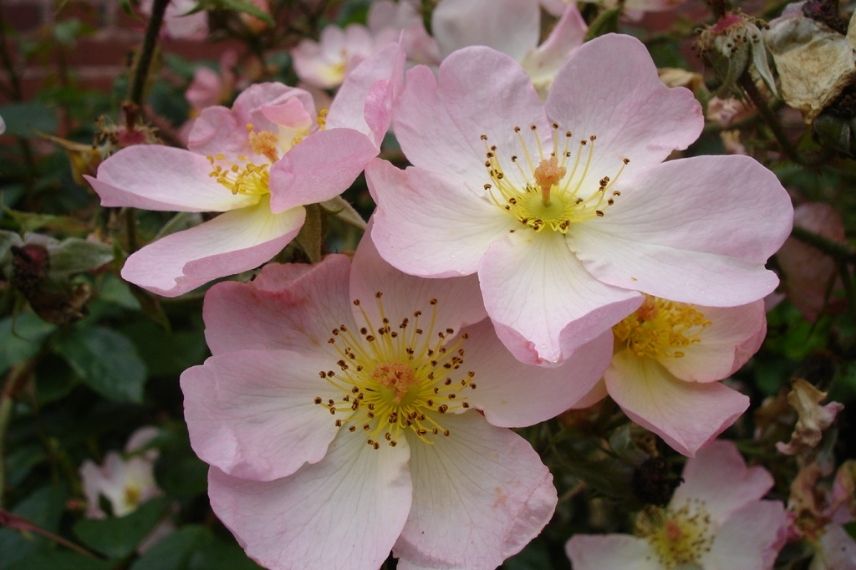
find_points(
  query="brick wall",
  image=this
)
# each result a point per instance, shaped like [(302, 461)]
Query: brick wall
[(94, 60)]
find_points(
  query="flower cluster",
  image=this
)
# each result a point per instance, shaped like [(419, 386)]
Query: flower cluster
[(538, 253)]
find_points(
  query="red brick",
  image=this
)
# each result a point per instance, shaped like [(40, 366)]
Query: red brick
[(22, 17)]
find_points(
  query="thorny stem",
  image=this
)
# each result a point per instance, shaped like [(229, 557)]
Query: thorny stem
[(770, 118), (21, 524), (16, 377), (144, 59), (839, 251)]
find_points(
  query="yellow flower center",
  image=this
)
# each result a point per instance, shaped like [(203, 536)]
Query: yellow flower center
[(397, 379), (660, 329), (245, 178), (132, 496), (549, 190), (678, 536)]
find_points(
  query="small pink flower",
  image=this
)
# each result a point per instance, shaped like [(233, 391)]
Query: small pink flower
[(178, 22), (668, 358), (209, 87), (714, 521), (325, 63), (259, 162), (125, 482), (349, 410), (564, 210), (512, 27), (387, 20)]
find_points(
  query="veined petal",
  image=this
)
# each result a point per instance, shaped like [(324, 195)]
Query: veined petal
[(611, 551), (544, 62), (230, 243), (510, 26), (732, 337), (513, 394), (479, 496), (156, 177), (252, 413), (365, 100), (426, 226), (684, 231), (456, 301), (718, 476), (750, 538), (610, 88), (346, 511), (287, 307), (543, 302), (319, 168), (686, 415)]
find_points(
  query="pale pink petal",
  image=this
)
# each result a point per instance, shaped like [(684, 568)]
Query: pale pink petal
[(366, 99), (250, 105), (510, 26), (837, 550), (319, 168), (155, 177), (718, 476), (684, 231), (205, 89), (217, 130), (686, 415), (595, 395), (610, 88), (544, 62), (543, 302), (230, 243), (479, 496), (440, 123), (809, 275), (179, 24), (750, 539), (513, 394), (344, 512), (426, 226), (458, 300), (611, 552), (242, 407), (288, 307), (732, 337)]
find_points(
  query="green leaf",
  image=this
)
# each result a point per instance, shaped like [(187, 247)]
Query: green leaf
[(30, 221), (174, 551), (58, 560), (21, 460), (75, 255), (25, 119), (221, 555), (340, 208), (106, 361), (44, 509), (21, 338), (166, 353), (117, 537)]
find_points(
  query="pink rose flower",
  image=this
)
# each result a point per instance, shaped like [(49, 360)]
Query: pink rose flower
[(325, 63), (512, 27), (715, 520), (259, 162), (125, 482), (668, 358), (340, 413), (564, 210)]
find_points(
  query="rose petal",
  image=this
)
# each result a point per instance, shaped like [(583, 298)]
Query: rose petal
[(241, 406), (479, 496), (349, 507), (611, 551), (230, 243), (510, 26), (686, 415)]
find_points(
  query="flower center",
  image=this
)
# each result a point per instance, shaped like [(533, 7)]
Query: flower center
[(397, 379), (132, 496), (549, 190), (660, 328), (244, 178), (677, 536)]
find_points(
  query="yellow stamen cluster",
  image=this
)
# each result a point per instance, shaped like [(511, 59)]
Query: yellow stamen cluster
[(678, 536), (397, 379), (321, 119), (660, 329), (263, 143), (248, 178), (132, 495), (549, 190)]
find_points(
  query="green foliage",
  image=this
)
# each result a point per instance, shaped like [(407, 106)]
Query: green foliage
[(117, 537)]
